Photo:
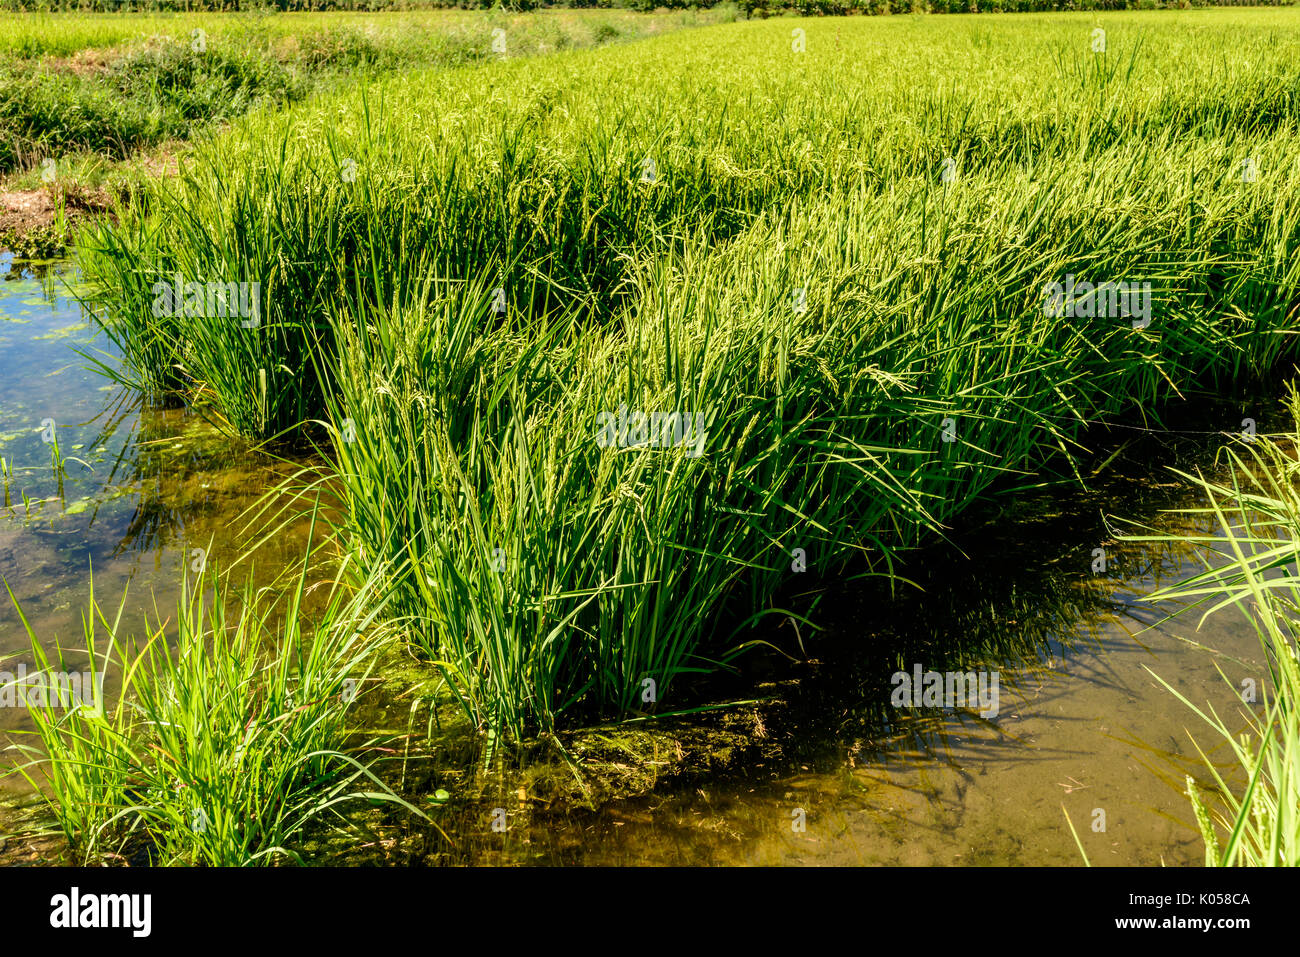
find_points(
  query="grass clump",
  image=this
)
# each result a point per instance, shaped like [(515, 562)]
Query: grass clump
[(1249, 811), (549, 569), (225, 749)]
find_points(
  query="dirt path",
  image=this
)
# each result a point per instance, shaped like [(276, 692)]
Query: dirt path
[(29, 218)]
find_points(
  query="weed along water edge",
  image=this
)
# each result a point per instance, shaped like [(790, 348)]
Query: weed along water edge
[(800, 440), (103, 495)]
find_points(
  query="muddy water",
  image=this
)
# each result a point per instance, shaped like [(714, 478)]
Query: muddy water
[(139, 490), (1086, 733)]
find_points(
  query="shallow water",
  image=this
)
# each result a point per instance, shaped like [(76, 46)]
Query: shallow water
[(139, 491), (1093, 733)]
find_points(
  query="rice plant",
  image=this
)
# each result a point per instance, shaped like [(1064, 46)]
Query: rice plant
[(218, 737), (616, 343), (1250, 813)]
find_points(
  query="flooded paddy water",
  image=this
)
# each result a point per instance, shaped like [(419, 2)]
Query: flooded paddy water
[(824, 769), (1082, 728)]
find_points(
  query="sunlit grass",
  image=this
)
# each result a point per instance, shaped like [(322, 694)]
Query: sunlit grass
[(714, 224), (1251, 817), (222, 738)]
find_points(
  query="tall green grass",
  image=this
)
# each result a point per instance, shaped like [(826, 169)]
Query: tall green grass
[(222, 738), (1250, 814), (865, 340), (825, 431), (541, 165)]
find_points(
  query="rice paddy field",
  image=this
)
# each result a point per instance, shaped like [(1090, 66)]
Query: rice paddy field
[(625, 408)]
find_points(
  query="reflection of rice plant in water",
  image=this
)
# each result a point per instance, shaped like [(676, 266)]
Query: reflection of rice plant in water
[(1252, 816)]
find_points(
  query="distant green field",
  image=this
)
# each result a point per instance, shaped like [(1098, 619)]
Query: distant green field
[(63, 34), (108, 85), (759, 8)]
